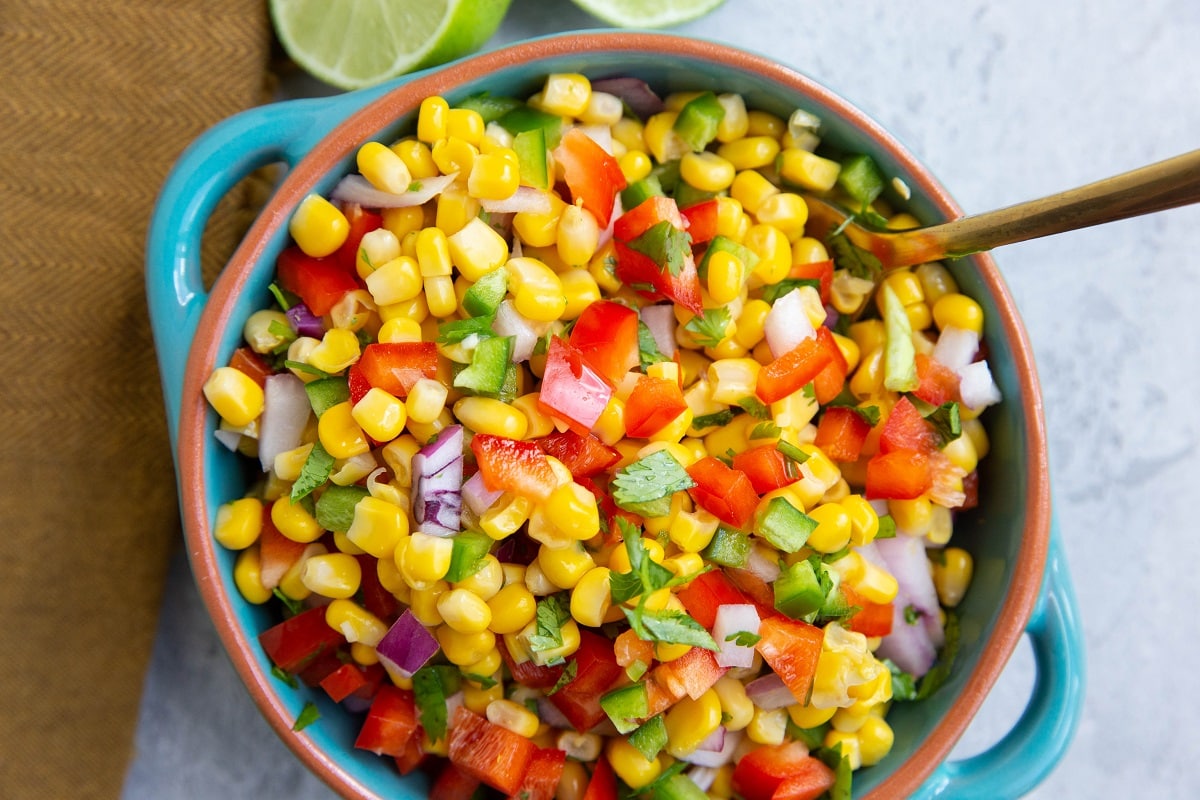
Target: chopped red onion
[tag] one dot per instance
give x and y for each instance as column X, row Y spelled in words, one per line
column 357, row 189
column 716, row 758
column 550, row 715
column 660, row 319
column 633, row 92
column 732, row 619
column 770, row 692
column 304, row 322
column 703, row 777
column 286, row 409
column 407, row 646
column 910, row 646
column 525, row 198
column 715, row 741
column 437, row 484
column 478, row 497
column 787, row 324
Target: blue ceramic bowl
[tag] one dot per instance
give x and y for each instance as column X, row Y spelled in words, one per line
column 1021, row 585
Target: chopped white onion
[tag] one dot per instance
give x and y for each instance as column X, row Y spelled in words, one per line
column 525, row 198
column 732, row 619
column 787, row 324
column 601, row 135
column 231, row 439
column 525, row 332
column 660, row 319
column 357, row 189
column 715, row 758
column 703, row 777
column 977, row 387
column 286, row 409
column 956, row 347
column 763, row 564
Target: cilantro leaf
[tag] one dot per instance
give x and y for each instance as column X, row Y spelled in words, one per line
column 744, row 638
column 764, row 430
column 484, row 681
column 455, row 331
column 431, row 686
column 717, row 419
column 624, row 586
column 754, row 407
column 294, row 607
column 708, row 328
column 774, row 291
column 283, row 675
column 568, row 674
column 848, row 256
column 946, row 421
column 645, row 486
column 843, row 775
column 670, row 627
column 645, row 576
column 316, row 470
column 648, row 352
column 904, row 685
column 667, row 245
column 887, row 527
column 308, row 715
column 552, row 615
column 939, row 673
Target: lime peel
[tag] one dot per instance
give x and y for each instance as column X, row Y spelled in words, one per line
column 648, row 13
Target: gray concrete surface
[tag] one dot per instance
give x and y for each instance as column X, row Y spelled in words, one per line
column 1004, row 101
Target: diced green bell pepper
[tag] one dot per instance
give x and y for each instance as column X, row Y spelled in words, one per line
column 466, row 557
column 626, row 706
column 486, row 373
column 784, row 525
column 698, row 120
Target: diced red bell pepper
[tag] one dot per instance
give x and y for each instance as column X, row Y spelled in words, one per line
column 603, row 783
column 645, row 215
column 756, row 590
column 376, row 599
column 593, row 176
column 251, row 363
column 906, row 429
column 629, row 648
column 724, row 492
column 652, row 281
column 871, row 619
column 511, row 465
column 414, row 756
column 811, row 780
column 396, row 366
column 361, row 222
column 701, row 219
column 357, row 383
column 596, row 670
column 606, row 333
column 583, row 455
column 821, row 271
column 796, row 368
column 319, row 282
column 484, row 750
column 762, row 771
column 391, row 722
column 298, row 640
column 841, row 433
column 766, row 468
column 572, row 390
column 706, row 593
column 453, row 783
column 692, row 674
column 353, row 679
column 938, row 383
column 527, row 673
column 318, row 669
column 791, row 647
column 652, row 405
column 276, row 553
column 829, row 382
column 542, row 777
column 898, row 475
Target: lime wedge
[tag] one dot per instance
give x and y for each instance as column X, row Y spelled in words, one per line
column 647, row 13
column 355, row 43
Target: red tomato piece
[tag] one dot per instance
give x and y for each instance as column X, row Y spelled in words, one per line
column 650, row 280
column 361, row 222
column 708, row 592
column 251, row 363
column 583, row 455
column 297, row 641
column 645, row 215
column 701, row 219
column 791, row 647
column 766, row 468
column 376, row 599
column 871, row 619
column 652, row 405
column 603, row 783
column 596, row 670
column 572, row 390
column 898, row 475
column 760, row 772
column 453, row 783
column 795, row 368
column 352, row 679
column 906, row 429
column 510, row 465
column 755, row 589
column 810, row 780
column 692, row 674
column 528, row 673
column 358, row 383
column 391, row 722
column 484, row 750
column 938, row 383
column 413, row 758
column 592, row 175
column 396, row 366
column 606, row 333
column 821, row 271
column 545, row 770
column 629, row 648
column 319, row 282
column 276, row 553
column 722, row 491
column 841, row 433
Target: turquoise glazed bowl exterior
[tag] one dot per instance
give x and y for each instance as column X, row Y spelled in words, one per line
column 1021, row 585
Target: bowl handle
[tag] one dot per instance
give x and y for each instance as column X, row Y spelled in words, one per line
column 204, row 173
column 1030, row 751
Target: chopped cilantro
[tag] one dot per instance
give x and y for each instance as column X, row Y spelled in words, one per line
column 744, row 638
column 415, row 186
column 911, row 615
column 645, row 486
column 667, row 245
column 284, row 332
column 283, row 675
column 774, row 291
column 764, row 430
column 939, row 673
column 843, row 774
column 644, row 577
column 431, row 686
column 552, row 614
column 335, row 507
column 293, row 606
column 316, row 470
column 754, row 407
column 648, row 352
column 904, row 685
column 708, row 329
column 887, row 527
column 848, row 256
column 308, row 715
column 715, row 420
column 568, row 674
column 946, row 421
column 671, row 627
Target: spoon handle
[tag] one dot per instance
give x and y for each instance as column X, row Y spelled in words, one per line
column 1157, row 187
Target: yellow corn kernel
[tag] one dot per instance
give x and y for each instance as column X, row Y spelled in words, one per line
column 876, row 583
column 733, row 379
column 424, row 559
column 867, row 380
column 630, row 765
column 683, row 564
column 539, row 228
column 378, row 527
column 961, row 452
column 433, row 253
column 750, row 188
column 485, row 667
column 570, row 639
column 750, row 152
column 363, row 654
column 318, row 226
column 808, row 250
column 403, row 221
column 912, row 517
column 773, row 251
column 958, row 311
column 398, row 454
column 833, row 528
column 354, row 622
column 936, row 280
column 416, row 309
column 689, row 722
column 486, row 581
column 466, row 124
column 513, row 607
column 538, row 423
column 234, row 395
column 732, row 221
column 395, row 281
column 505, row 516
column 734, row 122
column 635, row 165
column 339, row 433
column 952, row 575
column 732, row 436
column 344, row 545
column 464, row 611
column 674, row 430
column 454, row 156
column 426, row 400
column 786, row 211
column 514, row 717
column 591, row 597
column 875, row 740
column 566, row 94
column 336, row 575
column 737, row 708
column 580, row 289
column 905, row 284
column 462, row 649
column 864, row 522
column 417, row 156
column 432, row 118
column 337, row 350
column 764, row 123
column 456, row 206
column 238, row 523
column 849, row 743
column 423, row 602
column 973, row 429
column 380, row 414
column 726, row 277
column 259, row 330
column 495, row 417
column 294, row 521
column 808, row 170
column 574, row 511
column 768, row 727
column 750, row 322
column 707, row 171
column 439, row 294
column 662, row 141
column 493, row 177
column 577, row 235
column 628, row 131
column 868, row 334
column 564, row 566
column 692, row 531
column 383, row 168
column 807, row 717
column 247, row 577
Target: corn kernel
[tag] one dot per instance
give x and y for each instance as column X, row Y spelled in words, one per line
column 773, row 250
column 566, row 94
column 635, row 165
column 689, row 722
column 936, row 281
column 785, row 211
column 432, row 118
column 493, row 176
column 807, row 717
column 952, row 575
column 462, row 649
column 768, row 727
column 238, row 523
column 354, row 622
column 454, row 156
column 514, row 717
column 318, row 226
column 464, row 611
column 425, row 558
column 383, row 168
column 234, row 395
column 513, row 607
column 564, row 567
column 494, row 417
column 506, row 516
column 833, row 528
column 486, row 581
column 577, row 235
column 707, row 171
column 630, row 765
column 591, row 597
column 808, row 170
column 466, row 124
column 751, row 189
column 378, row 527
column 423, row 602
column 958, row 311
column 294, row 521
column 247, row 577
column 336, row 575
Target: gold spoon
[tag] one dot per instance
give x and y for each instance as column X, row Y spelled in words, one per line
column 1157, row 187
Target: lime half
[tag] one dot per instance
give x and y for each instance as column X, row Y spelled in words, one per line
column 355, row 43
column 647, row 13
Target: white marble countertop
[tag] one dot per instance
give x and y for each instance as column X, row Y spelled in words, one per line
column 1004, row 102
